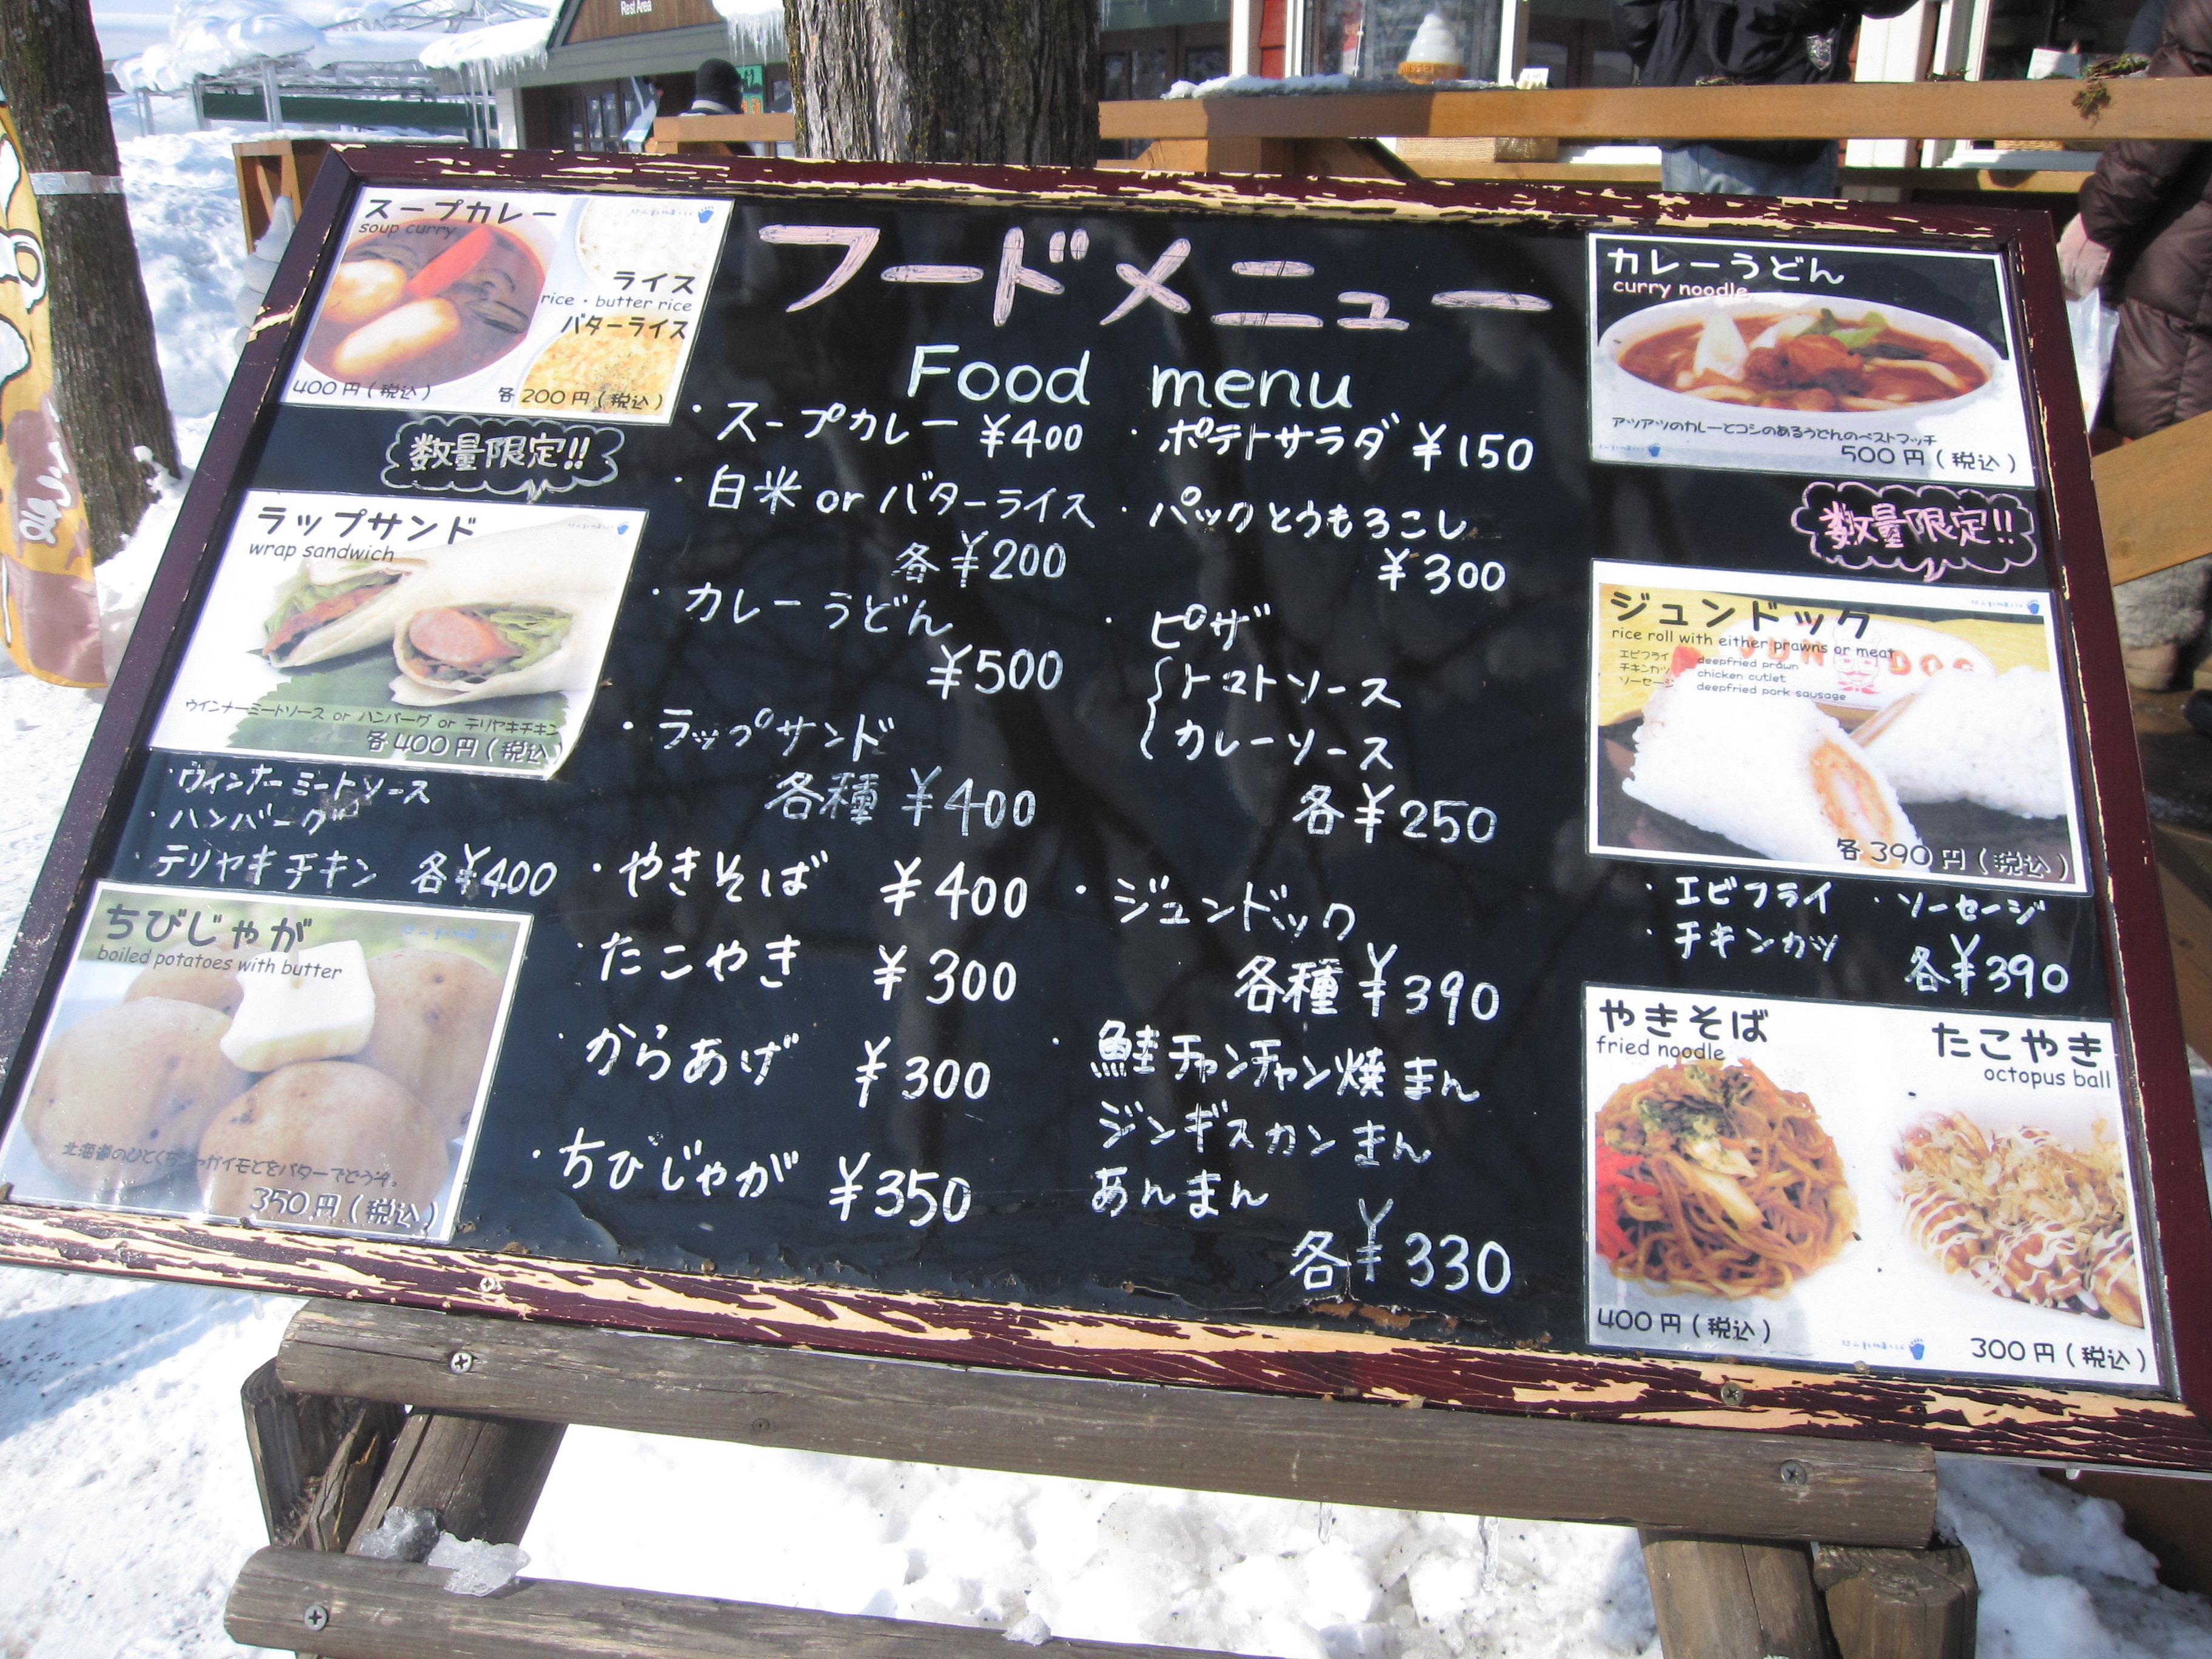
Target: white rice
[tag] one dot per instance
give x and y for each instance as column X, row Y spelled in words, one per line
column 1740, row 765
column 1998, row 741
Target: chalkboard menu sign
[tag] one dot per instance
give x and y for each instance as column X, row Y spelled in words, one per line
column 1520, row 800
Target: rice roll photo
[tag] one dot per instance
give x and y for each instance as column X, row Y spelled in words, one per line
column 330, row 608
column 1997, row 740
column 530, row 615
column 1775, row 774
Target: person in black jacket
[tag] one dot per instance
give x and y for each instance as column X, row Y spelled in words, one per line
column 1754, row 43
column 2144, row 236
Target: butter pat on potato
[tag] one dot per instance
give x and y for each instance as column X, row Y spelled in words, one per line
column 315, row 1003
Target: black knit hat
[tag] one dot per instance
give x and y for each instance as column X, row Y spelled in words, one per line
column 717, row 82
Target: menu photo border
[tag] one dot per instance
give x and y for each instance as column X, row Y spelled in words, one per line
column 1360, row 1357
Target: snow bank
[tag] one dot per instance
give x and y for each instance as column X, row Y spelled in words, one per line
column 1034, row 1556
column 216, row 37
column 182, row 191
column 126, row 1494
column 2059, row 1578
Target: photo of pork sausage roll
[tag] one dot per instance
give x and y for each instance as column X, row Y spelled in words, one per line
column 329, row 608
column 531, row 616
column 1773, row 773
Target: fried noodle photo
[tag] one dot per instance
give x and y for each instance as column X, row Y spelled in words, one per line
column 2023, row 1215
column 1712, row 1178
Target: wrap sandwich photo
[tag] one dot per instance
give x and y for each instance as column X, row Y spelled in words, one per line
column 331, row 608
column 532, row 615
column 310, row 646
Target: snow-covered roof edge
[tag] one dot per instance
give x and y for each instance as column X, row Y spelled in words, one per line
column 501, row 46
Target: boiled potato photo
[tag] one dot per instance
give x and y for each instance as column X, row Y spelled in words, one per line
column 209, row 978
column 316, row 1142
column 435, row 1014
column 123, row 1096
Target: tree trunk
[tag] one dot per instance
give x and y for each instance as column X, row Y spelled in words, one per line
column 107, row 381
column 992, row 80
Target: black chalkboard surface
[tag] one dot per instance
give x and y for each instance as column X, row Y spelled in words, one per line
column 1445, row 781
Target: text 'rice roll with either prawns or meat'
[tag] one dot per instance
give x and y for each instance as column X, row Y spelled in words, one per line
column 1772, row 773
column 526, row 612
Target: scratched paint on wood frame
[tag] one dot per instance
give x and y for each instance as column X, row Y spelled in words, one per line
column 867, row 741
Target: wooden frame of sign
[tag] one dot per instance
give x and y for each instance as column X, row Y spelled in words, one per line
column 1345, row 1343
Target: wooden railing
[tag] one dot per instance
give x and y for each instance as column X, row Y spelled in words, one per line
column 2166, row 108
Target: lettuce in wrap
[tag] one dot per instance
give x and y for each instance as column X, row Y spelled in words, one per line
column 329, row 609
column 530, row 614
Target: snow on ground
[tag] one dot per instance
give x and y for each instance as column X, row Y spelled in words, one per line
column 191, row 242
column 126, row 1500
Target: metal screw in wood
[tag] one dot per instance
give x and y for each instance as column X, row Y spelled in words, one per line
column 461, row 1361
column 316, row 1617
column 1794, row 1474
column 1731, row 1394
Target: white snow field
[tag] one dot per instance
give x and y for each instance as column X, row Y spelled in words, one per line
column 126, row 1502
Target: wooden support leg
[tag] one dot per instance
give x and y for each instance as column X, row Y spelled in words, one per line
column 482, row 1475
column 315, row 1457
column 1898, row 1604
column 1729, row 1598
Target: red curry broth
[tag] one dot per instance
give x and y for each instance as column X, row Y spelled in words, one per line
column 1810, row 370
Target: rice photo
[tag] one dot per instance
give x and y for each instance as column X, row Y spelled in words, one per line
column 1775, row 775
column 512, row 303
column 1814, row 723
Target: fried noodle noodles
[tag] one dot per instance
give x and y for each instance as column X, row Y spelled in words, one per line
column 1712, row 1178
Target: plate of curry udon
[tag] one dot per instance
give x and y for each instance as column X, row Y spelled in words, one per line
column 1812, row 354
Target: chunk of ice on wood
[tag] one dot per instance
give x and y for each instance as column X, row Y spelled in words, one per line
column 1030, row 1629
column 475, row 1568
column 401, row 1535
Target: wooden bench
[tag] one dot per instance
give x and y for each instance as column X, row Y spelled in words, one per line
column 1726, row 1518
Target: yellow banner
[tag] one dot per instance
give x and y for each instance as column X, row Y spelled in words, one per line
column 49, row 605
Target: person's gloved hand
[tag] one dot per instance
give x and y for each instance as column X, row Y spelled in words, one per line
column 2081, row 261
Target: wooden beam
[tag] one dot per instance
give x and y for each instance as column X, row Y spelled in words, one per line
column 483, row 1475
column 352, row 1609
column 2189, row 934
column 1728, row 1598
column 1898, row 1604
column 341, row 1499
column 1754, row 1486
column 2173, row 108
column 671, row 132
column 2151, row 496
column 290, row 1436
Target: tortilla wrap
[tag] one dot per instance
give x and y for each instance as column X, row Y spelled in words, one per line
column 569, row 575
column 366, row 624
